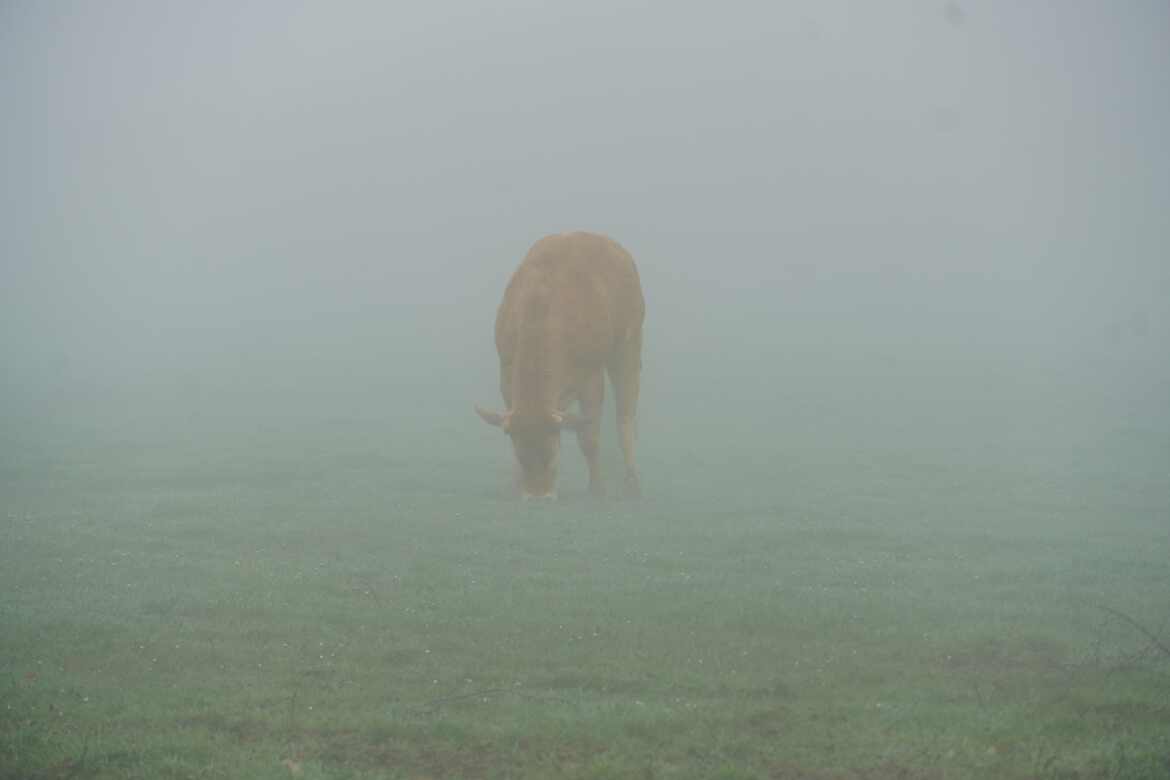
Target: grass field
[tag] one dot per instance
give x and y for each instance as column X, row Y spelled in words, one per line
column 358, row 599
column 904, row 416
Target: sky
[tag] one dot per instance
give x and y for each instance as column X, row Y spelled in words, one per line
column 319, row 204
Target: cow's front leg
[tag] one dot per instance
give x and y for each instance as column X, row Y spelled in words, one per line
column 592, row 397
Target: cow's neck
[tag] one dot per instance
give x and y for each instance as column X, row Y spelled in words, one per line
column 540, row 369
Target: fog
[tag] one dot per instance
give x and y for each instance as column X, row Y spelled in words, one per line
column 904, row 430
column 909, row 216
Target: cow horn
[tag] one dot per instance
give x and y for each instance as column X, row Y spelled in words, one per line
column 498, row 419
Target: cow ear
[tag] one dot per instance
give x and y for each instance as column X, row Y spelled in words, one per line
column 498, row 419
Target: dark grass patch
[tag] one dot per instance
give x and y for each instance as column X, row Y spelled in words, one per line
column 995, row 656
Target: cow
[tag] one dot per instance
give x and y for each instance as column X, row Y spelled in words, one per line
column 572, row 312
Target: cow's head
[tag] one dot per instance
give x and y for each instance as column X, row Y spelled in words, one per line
column 536, row 440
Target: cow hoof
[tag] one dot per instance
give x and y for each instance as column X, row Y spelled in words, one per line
column 632, row 487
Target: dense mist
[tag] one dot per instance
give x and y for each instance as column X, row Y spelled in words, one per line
column 904, row 433
column 223, row 211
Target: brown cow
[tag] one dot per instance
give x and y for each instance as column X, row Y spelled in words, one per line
column 572, row 311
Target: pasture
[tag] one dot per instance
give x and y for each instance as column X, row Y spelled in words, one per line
column 355, row 598
column 904, row 417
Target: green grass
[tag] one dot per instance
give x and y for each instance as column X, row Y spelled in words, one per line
column 344, row 600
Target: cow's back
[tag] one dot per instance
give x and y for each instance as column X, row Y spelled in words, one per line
column 583, row 284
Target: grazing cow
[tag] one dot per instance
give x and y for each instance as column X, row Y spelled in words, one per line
column 572, row 311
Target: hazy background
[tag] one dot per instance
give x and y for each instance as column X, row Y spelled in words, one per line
column 918, row 224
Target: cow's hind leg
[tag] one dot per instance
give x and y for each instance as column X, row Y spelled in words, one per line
column 625, row 372
column 592, row 397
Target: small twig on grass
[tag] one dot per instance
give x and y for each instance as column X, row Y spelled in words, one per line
column 459, row 697
column 80, row 762
column 1150, row 635
column 1098, row 657
column 292, row 707
column 486, row 692
column 978, row 695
